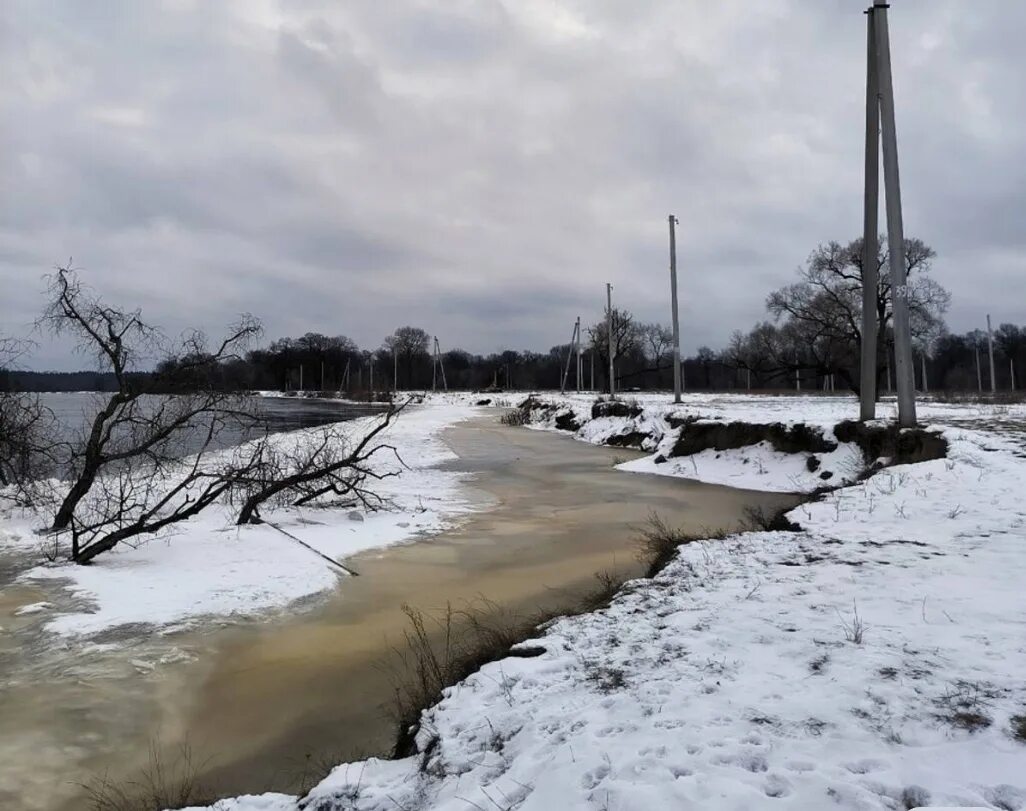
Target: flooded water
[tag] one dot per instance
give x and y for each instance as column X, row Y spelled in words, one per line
column 74, row 412
column 254, row 700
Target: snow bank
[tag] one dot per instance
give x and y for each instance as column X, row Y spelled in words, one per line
column 757, row 445
column 210, row 567
column 873, row 661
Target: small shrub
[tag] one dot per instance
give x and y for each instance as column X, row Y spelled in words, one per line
column 516, row 417
column 658, row 543
column 854, row 629
column 164, row 783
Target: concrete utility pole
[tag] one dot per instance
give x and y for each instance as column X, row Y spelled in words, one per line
column 575, row 338
column 979, row 374
column 301, row 373
column 673, row 307
column 903, row 362
column 580, row 358
column 609, row 337
column 870, row 224
column 990, row 350
column 1011, row 372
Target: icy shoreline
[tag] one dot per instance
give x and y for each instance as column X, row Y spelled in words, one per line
column 209, row 567
column 871, row 661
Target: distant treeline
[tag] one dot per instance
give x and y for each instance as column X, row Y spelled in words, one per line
column 316, row 362
column 57, row 381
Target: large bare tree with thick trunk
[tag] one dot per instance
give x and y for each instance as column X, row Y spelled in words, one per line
column 823, row 311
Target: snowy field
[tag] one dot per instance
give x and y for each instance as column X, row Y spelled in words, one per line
column 208, row 566
column 874, row 660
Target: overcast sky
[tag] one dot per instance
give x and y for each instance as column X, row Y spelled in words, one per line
column 482, row 168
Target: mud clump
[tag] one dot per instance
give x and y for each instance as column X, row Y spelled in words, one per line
column 615, row 408
column 799, row 438
column 902, row 446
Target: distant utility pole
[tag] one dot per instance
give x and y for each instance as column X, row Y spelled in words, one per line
column 609, row 337
column 903, row 361
column 372, row 375
column 575, row 338
column 926, row 388
column 990, row 349
column 979, row 374
column 591, row 357
column 870, row 224
column 395, row 370
column 436, row 367
column 301, row 368
column 580, row 358
column 673, row 307
column 1011, row 371
column 322, row 375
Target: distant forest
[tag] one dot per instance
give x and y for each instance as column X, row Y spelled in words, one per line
column 316, row 362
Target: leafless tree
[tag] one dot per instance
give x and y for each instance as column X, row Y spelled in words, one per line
column 823, row 311
column 282, row 471
column 626, row 337
column 28, row 448
column 131, row 432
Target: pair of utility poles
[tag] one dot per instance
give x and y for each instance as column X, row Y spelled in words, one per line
column 880, row 126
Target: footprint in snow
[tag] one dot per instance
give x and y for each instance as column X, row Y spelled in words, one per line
column 747, row 761
column 590, row 779
column 777, row 786
column 865, row 766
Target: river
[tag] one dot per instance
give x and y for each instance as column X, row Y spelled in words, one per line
column 256, row 700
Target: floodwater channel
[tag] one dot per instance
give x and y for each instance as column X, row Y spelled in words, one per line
column 258, row 701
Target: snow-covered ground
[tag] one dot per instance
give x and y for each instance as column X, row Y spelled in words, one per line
column 208, row 566
column 873, row 660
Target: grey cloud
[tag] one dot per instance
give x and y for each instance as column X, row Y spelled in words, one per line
column 483, row 168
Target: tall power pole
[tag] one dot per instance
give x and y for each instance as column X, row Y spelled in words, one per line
column 870, row 224
column 990, row 350
column 673, row 307
column 609, row 337
column 903, row 361
column 575, row 339
column 580, row 358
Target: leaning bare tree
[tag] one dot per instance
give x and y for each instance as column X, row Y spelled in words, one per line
column 327, row 465
column 125, row 472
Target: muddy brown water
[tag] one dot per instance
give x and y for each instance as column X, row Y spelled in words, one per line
column 259, row 703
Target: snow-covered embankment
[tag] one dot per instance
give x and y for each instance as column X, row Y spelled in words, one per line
column 872, row 660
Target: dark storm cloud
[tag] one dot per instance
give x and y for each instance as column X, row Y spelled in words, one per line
column 482, row 168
